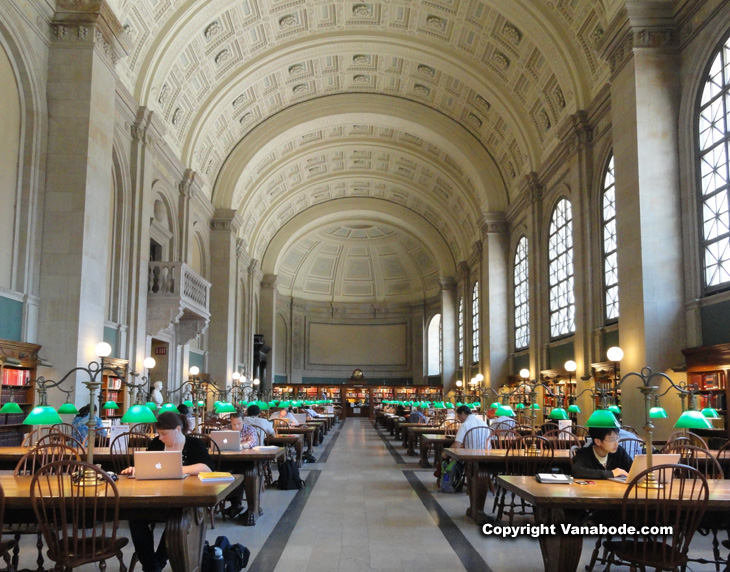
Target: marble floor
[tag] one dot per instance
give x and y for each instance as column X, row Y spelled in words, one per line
column 368, row 506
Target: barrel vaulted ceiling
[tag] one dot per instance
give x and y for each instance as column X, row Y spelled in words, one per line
column 435, row 108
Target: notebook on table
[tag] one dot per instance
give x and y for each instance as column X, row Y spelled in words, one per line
column 639, row 465
column 227, row 440
column 158, row 465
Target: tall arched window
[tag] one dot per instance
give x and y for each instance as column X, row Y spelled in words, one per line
column 560, row 270
column 713, row 143
column 461, row 332
column 434, row 345
column 610, row 259
column 522, row 296
column 475, row 323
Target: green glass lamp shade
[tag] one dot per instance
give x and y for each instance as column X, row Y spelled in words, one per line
column 263, row 405
column 226, row 408
column 12, row 407
column 559, row 413
column 520, row 406
column 201, row 403
column 43, row 415
column 573, row 408
column 504, row 411
column 216, row 404
column 477, row 404
column 535, row 406
column 139, row 414
column 657, row 413
column 188, row 403
column 603, row 418
column 169, row 407
column 708, row 412
column 439, row 405
column 614, row 409
column 110, row 405
column 692, row 420
column 494, row 405
column 151, row 405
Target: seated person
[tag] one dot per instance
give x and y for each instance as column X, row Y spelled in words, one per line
column 252, row 419
column 81, row 423
column 311, row 413
column 249, row 437
column 171, row 428
column 417, row 416
column 604, row 458
column 504, row 421
column 286, row 415
column 464, row 415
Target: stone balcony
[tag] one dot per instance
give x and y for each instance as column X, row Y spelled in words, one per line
column 178, row 301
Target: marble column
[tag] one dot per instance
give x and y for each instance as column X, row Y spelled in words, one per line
column 448, row 331
column 85, row 43
column 267, row 325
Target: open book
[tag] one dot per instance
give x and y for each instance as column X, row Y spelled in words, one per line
column 215, row 477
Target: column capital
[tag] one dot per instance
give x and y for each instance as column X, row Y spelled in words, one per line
column 147, row 128
column 185, row 186
column 225, row 219
column 576, row 131
column 640, row 24
column 447, row 283
column 92, row 23
column 533, row 187
column 269, row 281
column 493, row 223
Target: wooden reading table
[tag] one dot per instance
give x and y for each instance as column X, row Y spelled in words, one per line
column 437, row 442
column 181, row 504
column 415, row 433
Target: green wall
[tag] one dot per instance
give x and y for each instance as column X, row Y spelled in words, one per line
column 11, row 319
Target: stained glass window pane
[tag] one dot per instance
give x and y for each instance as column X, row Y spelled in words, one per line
column 610, row 264
column 461, row 332
column 713, row 138
column 560, row 271
column 522, row 296
column 475, row 323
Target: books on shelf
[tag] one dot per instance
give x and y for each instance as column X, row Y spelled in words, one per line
column 15, row 376
column 215, row 477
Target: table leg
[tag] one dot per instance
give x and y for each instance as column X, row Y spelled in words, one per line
column 298, row 448
column 185, row 537
column 309, row 442
column 560, row 553
column 405, row 437
column 425, row 447
column 477, row 485
column 252, row 473
column 411, row 444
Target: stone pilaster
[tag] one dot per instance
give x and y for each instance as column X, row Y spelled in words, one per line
column 448, row 330
column 86, row 41
column 267, row 324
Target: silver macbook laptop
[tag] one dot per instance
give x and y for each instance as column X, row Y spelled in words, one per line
column 639, row 465
column 158, row 465
column 301, row 417
column 227, row 440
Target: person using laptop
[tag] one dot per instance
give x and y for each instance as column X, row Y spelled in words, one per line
column 249, row 437
column 252, row 418
column 604, row 459
column 286, row 415
column 171, row 431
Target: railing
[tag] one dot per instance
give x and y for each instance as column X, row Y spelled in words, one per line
column 178, row 280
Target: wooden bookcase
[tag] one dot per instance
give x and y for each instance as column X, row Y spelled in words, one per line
column 113, row 390
column 18, row 385
column 708, row 368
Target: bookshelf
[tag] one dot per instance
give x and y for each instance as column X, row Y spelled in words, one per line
column 708, row 368
column 18, row 362
column 113, row 390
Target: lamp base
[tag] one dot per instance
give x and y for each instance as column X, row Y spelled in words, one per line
column 650, row 482
column 86, row 478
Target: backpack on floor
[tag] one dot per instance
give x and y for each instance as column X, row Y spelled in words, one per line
column 309, row 458
column 235, row 556
column 452, row 477
column 288, row 476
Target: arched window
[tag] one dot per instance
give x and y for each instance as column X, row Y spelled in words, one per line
column 461, row 332
column 610, row 262
column 522, row 296
column 434, row 345
column 714, row 139
column 560, row 270
column 475, row 323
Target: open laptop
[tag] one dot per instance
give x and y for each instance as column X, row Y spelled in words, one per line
column 158, row 465
column 301, row 417
column 227, row 440
column 639, row 465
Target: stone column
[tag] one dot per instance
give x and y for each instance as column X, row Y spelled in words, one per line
column 538, row 277
column 645, row 91
column 448, row 330
column 494, row 300
column 267, row 325
column 221, row 332
column 85, row 43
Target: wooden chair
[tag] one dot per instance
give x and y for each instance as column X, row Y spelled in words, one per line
column 268, row 477
column 5, row 545
column 580, row 432
column 679, row 505
column 633, row 446
column 215, row 453
column 630, row 429
column 55, row 438
column 502, row 426
column 562, row 439
column 525, row 456
column 28, row 464
column 123, row 446
column 723, row 457
column 548, row 426
column 451, row 427
column 501, row 439
column 79, row 523
column 697, row 458
column 146, row 428
column 477, row 438
column 31, row 438
column 694, row 440
column 65, row 428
